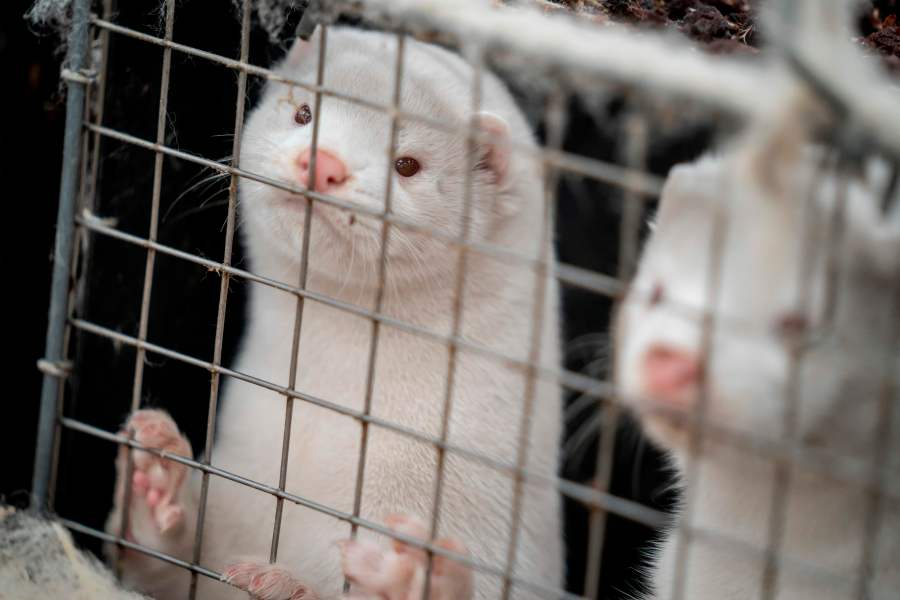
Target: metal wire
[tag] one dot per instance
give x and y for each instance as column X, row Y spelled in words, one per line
column 632, row 212
column 698, row 420
column 556, row 123
column 298, row 316
column 380, row 286
column 77, row 58
column 120, row 541
column 477, row 62
column 223, row 296
column 137, row 389
column 884, row 432
column 796, row 353
column 95, row 102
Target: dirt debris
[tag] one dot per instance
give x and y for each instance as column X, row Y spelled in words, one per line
column 729, row 26
column 881, row 31
column 706, row 23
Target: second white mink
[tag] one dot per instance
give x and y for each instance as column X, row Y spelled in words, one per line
column 804, row 345
column 488, row 396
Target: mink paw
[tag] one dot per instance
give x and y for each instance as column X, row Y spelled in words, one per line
column 396, row 571
column 264, row 581
column 156, row 482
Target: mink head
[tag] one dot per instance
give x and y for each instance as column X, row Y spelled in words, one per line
column 428, row 175
column 798, row 312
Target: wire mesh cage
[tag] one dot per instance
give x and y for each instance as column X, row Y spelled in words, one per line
column 144, row 314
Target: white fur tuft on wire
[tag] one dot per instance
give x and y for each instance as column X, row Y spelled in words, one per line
column 53, row 14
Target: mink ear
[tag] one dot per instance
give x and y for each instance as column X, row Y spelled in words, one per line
column 675, row 192
column 302, row 50
column 494, row 148
column 690, row 188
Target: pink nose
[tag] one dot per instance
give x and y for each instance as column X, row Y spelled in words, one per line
column 670, row 374
column 330, row 170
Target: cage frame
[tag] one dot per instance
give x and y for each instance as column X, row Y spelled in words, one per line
column 80, row 78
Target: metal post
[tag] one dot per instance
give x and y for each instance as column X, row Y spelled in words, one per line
column 76, row 60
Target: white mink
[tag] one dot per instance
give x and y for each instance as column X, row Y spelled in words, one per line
column 410, row 372
column 776, row 208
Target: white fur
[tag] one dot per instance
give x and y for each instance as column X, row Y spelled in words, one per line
column 760, row 192
column 410, row 371
column 38, row 559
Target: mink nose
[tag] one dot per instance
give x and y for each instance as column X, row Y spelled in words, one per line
column 330, row 170
column 671, row 374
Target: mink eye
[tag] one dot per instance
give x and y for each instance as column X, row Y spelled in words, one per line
column 791, row 325
column 303, row 115
column 406, row 166
column 656, row 295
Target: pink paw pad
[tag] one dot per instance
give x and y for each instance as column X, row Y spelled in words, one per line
column 156, row 481
column 266, row 582
column 396, row 571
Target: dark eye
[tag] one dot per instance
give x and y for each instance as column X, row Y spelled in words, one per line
column 657, row 295
column 406, row 166
column 791, row 325
column 303, row 115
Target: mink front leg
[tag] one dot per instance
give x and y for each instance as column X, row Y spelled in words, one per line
column 162, row 507
column 396, row 571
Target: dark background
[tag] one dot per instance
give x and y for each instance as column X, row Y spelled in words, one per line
column 30, row 155
column 185, row 296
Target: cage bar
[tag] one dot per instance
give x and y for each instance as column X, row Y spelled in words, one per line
column 698, row 419
column 225, row 279
column 629, row 229
column 298, row 317
column 880, row 469
column 556, row 123
column 137, row 390
column 797, row 351
column 77, row 59
column 379, row 291
column 476, row 60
